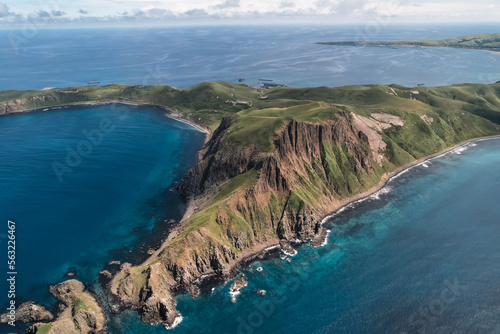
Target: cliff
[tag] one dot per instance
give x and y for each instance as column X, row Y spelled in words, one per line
column 269, row 176
column 275, row 166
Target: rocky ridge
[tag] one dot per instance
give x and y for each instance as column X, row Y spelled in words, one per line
column 281, row 195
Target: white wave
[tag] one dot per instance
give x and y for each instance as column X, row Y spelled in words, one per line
column 385, row 190
column 400, row 173
column 460, row 149
column 271, row 247
column 234, row 295
column 293, row 253
column 325, row 242
column 176, row 323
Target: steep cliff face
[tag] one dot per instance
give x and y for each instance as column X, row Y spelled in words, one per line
column 249, row 200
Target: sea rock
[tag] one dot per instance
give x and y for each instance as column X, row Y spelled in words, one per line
column 239, row 283
column 81, row 314
column 29, row 312
column 287, row 249
column 320, row 238
column 106, row 275
column 261, row 293
column 193, row 290
column 156, row 311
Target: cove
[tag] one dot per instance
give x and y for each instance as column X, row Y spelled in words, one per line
column 86, row 185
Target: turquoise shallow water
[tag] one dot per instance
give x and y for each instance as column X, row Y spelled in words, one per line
column 420, row 258
column 110, row 197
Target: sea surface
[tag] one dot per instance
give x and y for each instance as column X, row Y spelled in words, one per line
column 421, row 257
column 185, row 56
column 87, row 185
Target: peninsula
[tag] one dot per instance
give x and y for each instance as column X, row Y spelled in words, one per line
column 274, row 165
column 488, row 42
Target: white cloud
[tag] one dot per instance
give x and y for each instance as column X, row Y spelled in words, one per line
column 4, row 10
column 341, row 10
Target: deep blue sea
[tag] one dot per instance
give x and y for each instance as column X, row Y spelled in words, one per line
column 88, row 185
column 185, row 56
column 421, row 258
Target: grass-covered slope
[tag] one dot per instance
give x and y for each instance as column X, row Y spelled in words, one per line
column 489, row 42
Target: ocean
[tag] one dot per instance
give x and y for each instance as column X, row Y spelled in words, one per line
column 419, row 258
column 185, row 56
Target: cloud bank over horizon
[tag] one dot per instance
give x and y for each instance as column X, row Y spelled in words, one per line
column 244, row 11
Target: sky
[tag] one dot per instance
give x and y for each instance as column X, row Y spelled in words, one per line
column 88, row 12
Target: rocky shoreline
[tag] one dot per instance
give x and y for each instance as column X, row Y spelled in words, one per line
column 245, row 203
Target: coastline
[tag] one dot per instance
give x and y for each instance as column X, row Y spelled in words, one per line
column 170, row 114
column 386, row 178
column 261, row 250
column 406, row 46
column 249, row 256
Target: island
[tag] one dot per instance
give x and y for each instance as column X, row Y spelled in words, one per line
column 275, row 163
column 488, row 42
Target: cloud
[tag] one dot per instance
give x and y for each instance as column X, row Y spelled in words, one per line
column 43, row 14
column 4, row 10
column 287, row 4
column 228, row 4
column 349, row 7
column 57, row 13
column 198, row 12
column 241, row 10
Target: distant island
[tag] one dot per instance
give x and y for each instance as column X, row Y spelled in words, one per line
column 487, row 42
column 275, row 163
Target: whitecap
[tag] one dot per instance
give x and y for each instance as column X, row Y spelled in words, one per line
column 176, row 323
column 460, row 149
column 293, row 253
column 325, row 242
column 234, row 295
column 385, row 190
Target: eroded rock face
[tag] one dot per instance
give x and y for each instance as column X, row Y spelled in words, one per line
column 328, row 157
column 80, row 313
column 29, row 312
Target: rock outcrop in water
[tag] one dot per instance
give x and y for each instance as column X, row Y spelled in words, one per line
column 79, row 311
column 29, row 312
